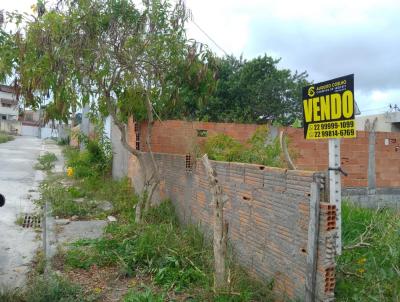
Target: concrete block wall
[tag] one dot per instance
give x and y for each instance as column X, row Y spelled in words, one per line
column 120, row 154
column 267, row 212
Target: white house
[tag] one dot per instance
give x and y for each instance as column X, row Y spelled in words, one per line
column 385, row 122
column 9, row 109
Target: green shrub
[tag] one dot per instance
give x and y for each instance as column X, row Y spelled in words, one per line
column 372, row 272
column 63, row 141
column 224, row 148
column 94, row 161
column 46, row 161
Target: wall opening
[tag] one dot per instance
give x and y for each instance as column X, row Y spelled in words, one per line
column 188, row 163
column 137, row 131
column 202, row 133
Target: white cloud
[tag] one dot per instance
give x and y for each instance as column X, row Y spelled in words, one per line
column 326, row 38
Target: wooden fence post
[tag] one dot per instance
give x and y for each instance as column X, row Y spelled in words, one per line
column 312, row 243
column 220, row 226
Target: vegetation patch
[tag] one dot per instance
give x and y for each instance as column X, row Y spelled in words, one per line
column 156, row 260
column 4, row 137
column 85, row 198
column 369, row 267
column 53, row 288
column 179, row 260
column 222, row 147
column 46, row 161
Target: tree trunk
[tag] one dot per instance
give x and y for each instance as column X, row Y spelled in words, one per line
column 220, row 226
column 150, row 183
column 155, row 177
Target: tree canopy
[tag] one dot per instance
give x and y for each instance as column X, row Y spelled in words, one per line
column 250, row 91
column 115, row 54
column 111, row 51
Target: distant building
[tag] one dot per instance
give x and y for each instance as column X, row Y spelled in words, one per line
column 32, row 117
column 385, row 122
column 9, row 109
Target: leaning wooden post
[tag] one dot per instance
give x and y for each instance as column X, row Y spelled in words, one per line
column 220, row 226
column 312, row 242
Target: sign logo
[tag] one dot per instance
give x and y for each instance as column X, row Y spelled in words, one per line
column 328, row 109
column 311, row 91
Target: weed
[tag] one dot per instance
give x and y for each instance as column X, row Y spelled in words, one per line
column 146, row 296
column 20, row 219
column 46, row 161
column 52, row 288
column 372, row 272
column 94, row 161
column 63, row 141
column 11, row 295
column 5, row 137
column 177, row 258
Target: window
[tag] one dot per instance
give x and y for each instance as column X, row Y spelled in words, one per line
column 4, row 117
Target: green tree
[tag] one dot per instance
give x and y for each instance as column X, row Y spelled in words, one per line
column 254, row 91
column 125, row 59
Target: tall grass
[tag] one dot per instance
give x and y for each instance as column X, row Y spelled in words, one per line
column 50, row 289
column 178, row 259
column 4, row 137
column 46, row 161
column 369, row 268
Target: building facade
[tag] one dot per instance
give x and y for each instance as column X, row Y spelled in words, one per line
column 384, row 122
column 9, row 109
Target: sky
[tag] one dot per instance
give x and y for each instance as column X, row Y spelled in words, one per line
column 327, row 39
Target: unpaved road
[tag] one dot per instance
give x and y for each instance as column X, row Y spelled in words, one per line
column 18, row 183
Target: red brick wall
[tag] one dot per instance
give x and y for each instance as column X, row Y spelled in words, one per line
column 387, row 160
column 313, row 155
column 179, row 137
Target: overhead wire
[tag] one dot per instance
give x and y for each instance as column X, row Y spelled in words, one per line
column 207, row 35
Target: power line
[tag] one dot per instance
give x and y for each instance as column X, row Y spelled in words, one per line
column 208, row 36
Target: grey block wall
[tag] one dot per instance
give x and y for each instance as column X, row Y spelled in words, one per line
column 120, row 154
column 268, row 214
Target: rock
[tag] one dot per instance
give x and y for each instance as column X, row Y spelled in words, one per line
column 58, row 273
column 73, row 218
column 111, row 219
column 62, row 221
column 79, row 200
column 88, row 229
column 105, row 206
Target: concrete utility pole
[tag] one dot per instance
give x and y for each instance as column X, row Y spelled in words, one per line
column 335, row 188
